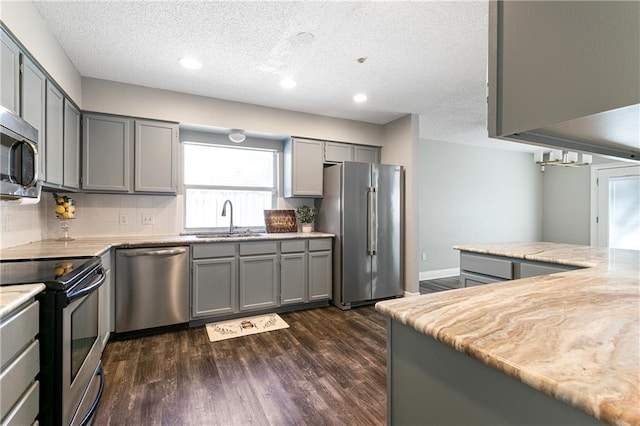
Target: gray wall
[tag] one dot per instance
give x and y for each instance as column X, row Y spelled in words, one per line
column 566, row 204
column 471, row 194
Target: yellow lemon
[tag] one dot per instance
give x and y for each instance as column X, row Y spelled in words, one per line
column 72, row 208
column 59, row 271
column 59, row 209
column 71, row 215
column 60, row 200
column 65, row 204
column 66, row 215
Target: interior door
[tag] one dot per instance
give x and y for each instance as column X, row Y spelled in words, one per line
column 386, row 260
column 356, row 265
column 618, row 204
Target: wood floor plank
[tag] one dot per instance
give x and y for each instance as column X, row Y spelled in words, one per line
column 327, row 368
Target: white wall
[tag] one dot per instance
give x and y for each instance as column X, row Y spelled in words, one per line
column 473, row 194
column 401, row 147
column 25, row 22
column 138, row 101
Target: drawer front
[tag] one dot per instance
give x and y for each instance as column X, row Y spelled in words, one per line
column 26, row 410
column 487, row 265
column 18, row 376
column 320, row 244
column 203, row 251
column 529, row 270
column 292, row 246
column 18, row 331
column 249, row 249
column 472, row 280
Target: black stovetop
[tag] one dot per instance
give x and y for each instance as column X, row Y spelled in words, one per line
column 56, row 274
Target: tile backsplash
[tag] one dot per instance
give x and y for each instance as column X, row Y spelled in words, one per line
column 99, row 215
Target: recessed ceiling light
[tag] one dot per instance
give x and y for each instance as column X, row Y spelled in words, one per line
column 190, row 63
column 360, row 97
column 288, row 83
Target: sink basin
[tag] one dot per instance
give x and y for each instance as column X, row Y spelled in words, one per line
column 231, row 235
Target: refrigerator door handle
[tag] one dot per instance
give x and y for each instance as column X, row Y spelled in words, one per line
column 374, row 228
column 371, row 219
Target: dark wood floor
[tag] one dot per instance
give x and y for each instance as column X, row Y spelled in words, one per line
column 327, row 368
column 439, row 284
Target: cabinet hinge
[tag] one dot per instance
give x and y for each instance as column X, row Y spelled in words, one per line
column 597, row 219
column 21, row 69
column 597, row 181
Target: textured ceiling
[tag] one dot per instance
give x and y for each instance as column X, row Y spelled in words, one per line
column 424, row 57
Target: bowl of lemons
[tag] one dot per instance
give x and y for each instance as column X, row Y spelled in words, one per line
column 65, row 207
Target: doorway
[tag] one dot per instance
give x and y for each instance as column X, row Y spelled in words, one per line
column 616, row 206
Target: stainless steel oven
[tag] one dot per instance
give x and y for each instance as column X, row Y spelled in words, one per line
column 18, row 159
column 71, row 376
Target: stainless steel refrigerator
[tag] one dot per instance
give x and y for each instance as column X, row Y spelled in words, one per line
column 362, row 206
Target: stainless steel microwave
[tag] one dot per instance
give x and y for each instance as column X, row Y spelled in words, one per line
column 18, row 159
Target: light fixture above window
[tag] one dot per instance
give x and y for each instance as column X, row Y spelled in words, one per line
column 557, row 157
column 237, row 136
column 190, row 63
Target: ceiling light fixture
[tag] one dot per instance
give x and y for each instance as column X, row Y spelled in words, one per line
column 190, row 63
column 237, row 136
column 360, row 97
column 562, row 158
column 288, row 83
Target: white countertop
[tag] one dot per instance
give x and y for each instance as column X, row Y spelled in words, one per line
column 14, row 296
column 86, row 247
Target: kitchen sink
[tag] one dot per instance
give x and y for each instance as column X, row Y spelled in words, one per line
column 232, row 235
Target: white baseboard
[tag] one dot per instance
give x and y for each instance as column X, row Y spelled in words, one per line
column 440, row 273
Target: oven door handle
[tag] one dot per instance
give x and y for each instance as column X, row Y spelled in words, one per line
column 85, row 289
column 94, row 405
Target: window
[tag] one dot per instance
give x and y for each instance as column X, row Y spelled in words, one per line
column 213, row 174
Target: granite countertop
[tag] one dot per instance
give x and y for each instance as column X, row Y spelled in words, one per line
column 85, row 247
column 14, row 296
column 573, row 335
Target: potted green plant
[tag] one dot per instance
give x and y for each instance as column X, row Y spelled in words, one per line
column 306, row 215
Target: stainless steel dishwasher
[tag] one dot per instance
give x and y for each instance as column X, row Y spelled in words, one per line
column 152, row 287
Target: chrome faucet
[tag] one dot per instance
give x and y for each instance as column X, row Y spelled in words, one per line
column 224, row 213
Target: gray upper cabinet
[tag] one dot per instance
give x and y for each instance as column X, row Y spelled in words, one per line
column 107, row 150
column 303, row 168
column 10, row 73
column 336, row 152
column 55, row 135
column 366, row 154
column 565, row 74
column 71, row 175
column 34, row 89
column 156, row 149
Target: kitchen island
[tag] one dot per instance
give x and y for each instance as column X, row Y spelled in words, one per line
column 561, row 348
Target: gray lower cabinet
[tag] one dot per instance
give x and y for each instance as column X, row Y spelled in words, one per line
column 34, row 90
column 20, row 365
column 293, row 278
column 9, row 73
column 258, row 282
column 71, row 157
column 478, row 269
column 320, row 275
column 55, row 135
column 214, row 283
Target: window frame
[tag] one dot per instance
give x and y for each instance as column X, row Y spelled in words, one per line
column 274, row 188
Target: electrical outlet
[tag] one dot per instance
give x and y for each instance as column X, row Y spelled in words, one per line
column 424, row 256
column 124, row 219
column 147, row 219
column 7, row 223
